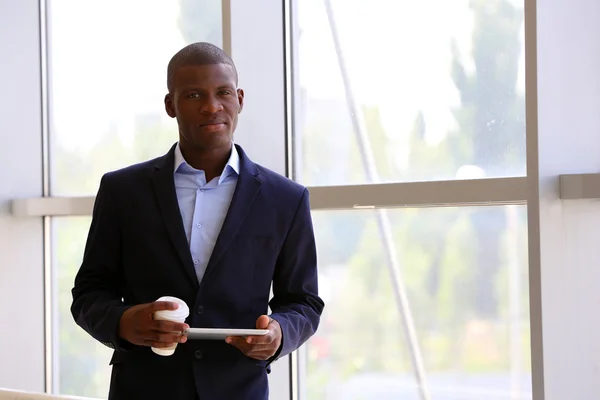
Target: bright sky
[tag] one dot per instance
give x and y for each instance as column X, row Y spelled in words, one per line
column 109, row 63
column 109, row 60
column 397, row 53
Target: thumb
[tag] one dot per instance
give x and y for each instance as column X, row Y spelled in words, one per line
column 262, row 322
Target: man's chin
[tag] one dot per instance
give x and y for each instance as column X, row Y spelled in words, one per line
column 213, row 144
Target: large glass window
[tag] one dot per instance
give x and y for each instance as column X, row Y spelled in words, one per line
column 429, row 90
column 464, row 299
column 81, row 361
column 428, row 303
column 418, row 300
column 107, row 62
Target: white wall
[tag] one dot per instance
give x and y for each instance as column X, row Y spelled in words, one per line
column 569, row 142
column 21, row 270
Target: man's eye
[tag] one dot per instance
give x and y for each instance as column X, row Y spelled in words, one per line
column 225, row 92
column 193, row 95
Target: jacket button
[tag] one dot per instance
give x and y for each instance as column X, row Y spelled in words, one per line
column 198, row 354
column 200, row 310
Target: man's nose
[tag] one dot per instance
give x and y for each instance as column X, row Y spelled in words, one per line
column 211, row 106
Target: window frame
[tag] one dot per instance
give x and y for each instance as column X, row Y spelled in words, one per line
column 461, row 193
column 492, row 191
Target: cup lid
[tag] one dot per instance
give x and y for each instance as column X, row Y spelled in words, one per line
column 182, row 312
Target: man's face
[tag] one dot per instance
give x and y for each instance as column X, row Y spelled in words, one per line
column 206, row 102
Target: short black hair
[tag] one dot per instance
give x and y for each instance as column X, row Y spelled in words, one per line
column 199, row 53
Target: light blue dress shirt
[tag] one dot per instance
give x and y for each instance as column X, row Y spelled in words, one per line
column 204, row 205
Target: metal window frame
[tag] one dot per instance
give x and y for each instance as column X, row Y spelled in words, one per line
column 50, row 376
column 533, row 201
column 460, row 193
column 479, row 192
column 519, row 190
column 226, row 25
column 431, row 194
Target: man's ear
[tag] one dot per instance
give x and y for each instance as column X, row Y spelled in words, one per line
column 240, row 93
column 170, row 106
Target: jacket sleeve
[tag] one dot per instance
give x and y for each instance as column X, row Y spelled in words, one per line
column 97, row 294
column 296, row 304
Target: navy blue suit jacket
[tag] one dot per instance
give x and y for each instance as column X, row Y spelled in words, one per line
column 137, row 251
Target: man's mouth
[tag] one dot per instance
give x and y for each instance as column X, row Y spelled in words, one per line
column 213, row 126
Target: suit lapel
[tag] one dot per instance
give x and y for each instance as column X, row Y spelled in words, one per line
column 164, row 189
column 247, row 188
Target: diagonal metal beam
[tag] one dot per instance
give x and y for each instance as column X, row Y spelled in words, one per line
column 383, row 220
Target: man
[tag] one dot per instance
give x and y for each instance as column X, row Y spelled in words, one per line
column 207, row 225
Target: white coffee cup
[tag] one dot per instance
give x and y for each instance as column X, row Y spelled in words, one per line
column 178, row 315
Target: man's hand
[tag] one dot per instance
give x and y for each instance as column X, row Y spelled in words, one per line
column 260, row 347
column 138, row 326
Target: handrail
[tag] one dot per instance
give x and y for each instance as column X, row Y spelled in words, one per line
column 10, row 394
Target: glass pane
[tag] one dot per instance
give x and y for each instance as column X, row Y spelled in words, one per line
column 437, row 88
column 464, row 273
column 107, row 87
column 108, row 61
column 81, row 361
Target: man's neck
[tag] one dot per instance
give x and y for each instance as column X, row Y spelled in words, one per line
column 212, row 162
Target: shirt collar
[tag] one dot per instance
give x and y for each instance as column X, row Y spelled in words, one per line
column 232, row 166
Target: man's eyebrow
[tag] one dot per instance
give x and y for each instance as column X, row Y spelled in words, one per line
column 220, row 86
column 194, row 89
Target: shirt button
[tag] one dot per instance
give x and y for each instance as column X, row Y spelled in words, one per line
column 198, row 225
column 198, row 354
column 200, row 310
column 196, row 262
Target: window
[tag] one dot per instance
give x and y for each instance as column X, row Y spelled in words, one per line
column 456, row 277
column 108, row 85
column 417, row 179
column 436, row 298
column 428, row 302
column 106, row 111
column 422, row 90
column 81, row 360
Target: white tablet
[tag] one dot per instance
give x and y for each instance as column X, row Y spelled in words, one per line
column 222, row 334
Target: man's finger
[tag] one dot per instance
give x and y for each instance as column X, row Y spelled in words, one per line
column 162, row 337
column 163, row 305
column 261, row 339
column 267, row 338
column 252, row 349
column 258, row 348
column 263, row 322
column 238, row 342
column 169, row 326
